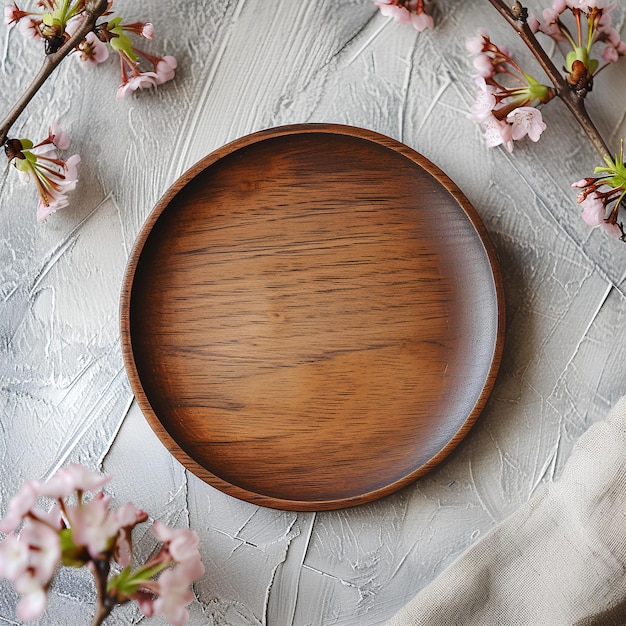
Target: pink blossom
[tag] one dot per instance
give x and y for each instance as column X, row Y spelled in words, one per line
column 399, row 14
column 85, row 479
column 582, row 183
column 172, row 587
column 93, row 526
column 587, row 5
column 601, row 208
column 12, row 14
column 92, row 50
column 174, row 593
column 498, row 132
column 173, row 598
column 611, row 36
column 484, row 64
column 181, row 543
column 74, row 24
column 611, row 229
column 610, row 54
column 127, row 517
column 550, row 25
column 19, row 506
column 95, row 532
column 58, row 136
column 143, row 29
column 54, row 176
column 615, row 47
column 422, row 21
column 526, row 121
column 44, row 550
column 29, row 27
column 13, row 557
column 51, row 518
column 147, row 31
column 594, row 210
column 170, row 594
column 141, row 80
column 145, row 600
column 476, row 45
column 483, row 106
column 165, row 69
column 33, row 602
column 59, row 183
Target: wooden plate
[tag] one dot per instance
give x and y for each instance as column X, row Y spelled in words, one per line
column 312, row 317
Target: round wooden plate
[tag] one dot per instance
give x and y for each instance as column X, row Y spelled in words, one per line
column 312, row 317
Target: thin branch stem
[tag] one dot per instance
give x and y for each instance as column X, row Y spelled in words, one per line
column 574, row 101
column 100, row 570
column 93, row 10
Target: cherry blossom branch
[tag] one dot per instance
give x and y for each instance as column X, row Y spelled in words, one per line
column 574, row 100
column 104, row 607
column 89, row 533
column 93, row 10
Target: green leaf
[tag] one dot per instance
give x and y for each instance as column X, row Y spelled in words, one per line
column 615, row 171
column 48, row 19
column 127, row 584
column 569, row 59
column 593, row 65
column 123, row 43
column 118, row 581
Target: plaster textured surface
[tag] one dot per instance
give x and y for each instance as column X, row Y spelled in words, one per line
column 245, row 65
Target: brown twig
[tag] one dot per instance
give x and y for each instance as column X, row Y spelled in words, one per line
column 573, row 100
column 100, row 570
column 93, row 10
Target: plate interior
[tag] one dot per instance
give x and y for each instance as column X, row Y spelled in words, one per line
column 311, row 318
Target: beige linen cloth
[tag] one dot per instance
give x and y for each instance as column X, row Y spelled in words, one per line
column 559, row 560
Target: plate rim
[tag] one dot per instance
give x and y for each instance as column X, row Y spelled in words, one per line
column 127, row 341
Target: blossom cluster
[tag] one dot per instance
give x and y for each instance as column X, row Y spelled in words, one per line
column 58, row 20
column 55, row 22
column 592, row 20
column 507, row 96
column 407, row 12
column 600, row 196
column 89, row 532
column 53, row 175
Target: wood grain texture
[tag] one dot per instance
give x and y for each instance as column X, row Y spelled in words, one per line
column 312, row 317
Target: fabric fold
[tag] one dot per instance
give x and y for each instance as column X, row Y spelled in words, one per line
column 559, row 560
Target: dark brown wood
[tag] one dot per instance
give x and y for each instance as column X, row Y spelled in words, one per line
column 312, row 317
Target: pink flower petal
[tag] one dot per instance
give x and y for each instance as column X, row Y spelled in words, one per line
column 498, row 132
column 148, row 31
column 593, row 210
column 13, row 557
column 20, row 505
column 422, row 21
column 526, row 121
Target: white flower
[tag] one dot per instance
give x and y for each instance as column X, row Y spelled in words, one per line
column 526, row 121
column 498, row 132
column 92, row 50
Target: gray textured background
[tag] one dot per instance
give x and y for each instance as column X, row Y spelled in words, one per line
column 246, row 65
